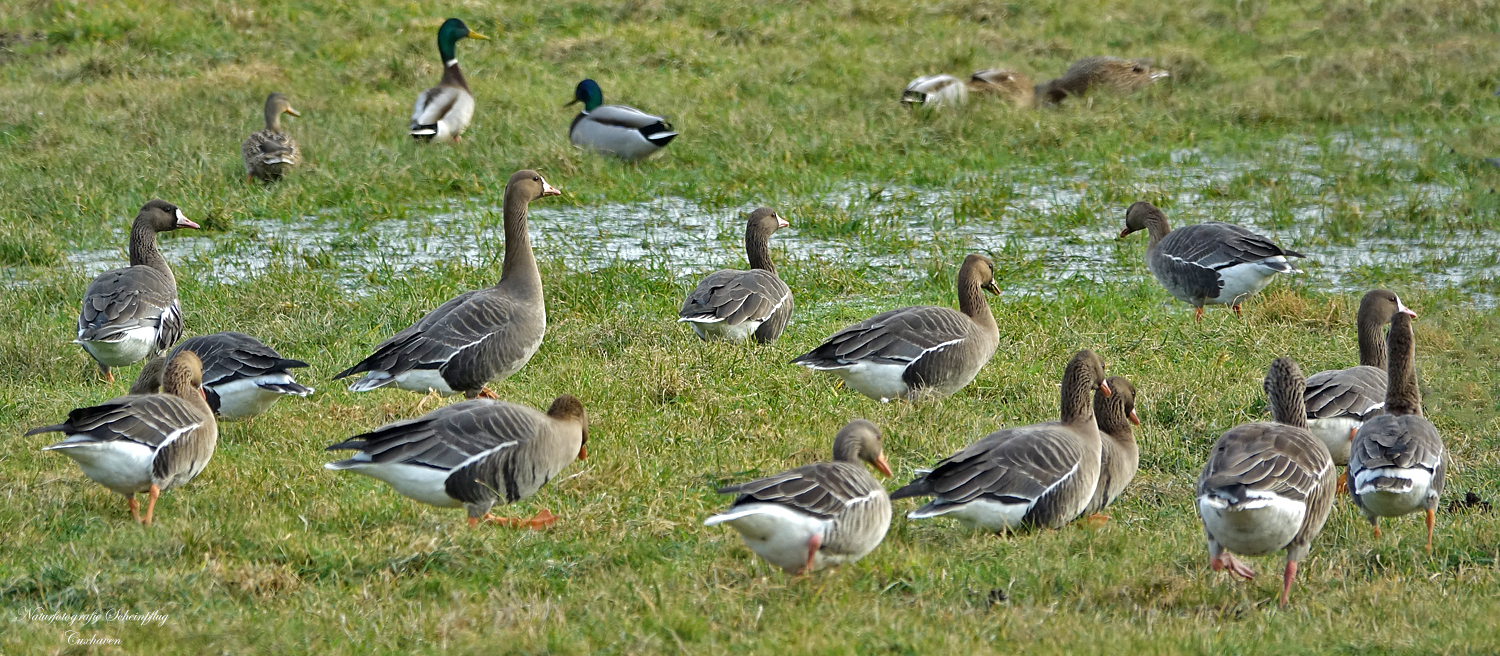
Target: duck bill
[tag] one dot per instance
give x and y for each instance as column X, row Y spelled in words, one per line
column 572, row 102
column 476, row 35
column 549, row 190
column 1104, row 387
column 293, row 112
column 183, row 221
column 1134, row 419
column 883, row 465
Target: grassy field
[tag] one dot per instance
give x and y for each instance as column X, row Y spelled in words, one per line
column 1332, row 125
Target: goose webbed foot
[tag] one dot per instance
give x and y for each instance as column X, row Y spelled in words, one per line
column 1227, row 561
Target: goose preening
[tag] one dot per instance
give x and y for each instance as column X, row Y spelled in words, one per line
column 625, row 132
column 1267, row 486
column 477, row 337
column 819, row 515
column 270, row 152
column 144, row 443
column 1397, row 460
column 442, row 113
column 131, row 313
column 736, row 305
column 1122, row 76
column 1341, row 400
column 917, row 351
column 473, row 455
column 1209, row 263
column 1120, row 456
column 935, row 92
column 1042, row 475
column 242, row 376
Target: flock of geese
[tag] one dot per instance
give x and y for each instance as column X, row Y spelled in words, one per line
column 1266, row 486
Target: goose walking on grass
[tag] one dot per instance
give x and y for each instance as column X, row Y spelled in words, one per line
column 1120, row 456
column 144, row 443
column 1121, row 76
column 737, row 305
column 1267, row 486
column 270, row 152
column 919, row 351
column 132, row 313
column 1042, row 475
column 477, row 337
column 473, row 455
column 625, row 132
column 1397, row 460
column 242, row 376
column 1340, row 401
column 1209, row 263
column 820, row 515
column 442, row 113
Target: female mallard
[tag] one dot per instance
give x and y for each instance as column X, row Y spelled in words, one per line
column 625, row 132
column 443, row 112
column 269, row 153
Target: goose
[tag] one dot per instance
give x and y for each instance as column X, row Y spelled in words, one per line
column 1397, row 460
column 1042, row 475
column 917, row 351
column 442, row 113
column 1339, row 401
column 131, row 313
column 144, row 443
column 1120, row 456
column 477, row 337
column 1011, row 85
column 1122, row 76
column 1267, row 486
column 242, row 376
column 625, row 132
column 737, row 305
column 269, row 153
column 935, row 92
column 1209, row 263
column 820, row 515
column 473, row 455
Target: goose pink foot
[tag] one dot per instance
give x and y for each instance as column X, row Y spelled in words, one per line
column 1227, row 561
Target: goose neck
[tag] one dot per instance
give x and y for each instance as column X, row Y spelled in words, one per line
column 519, row 267
column 144, row 250
column 758, row 250
column 1402, row 394
column 1077, row 390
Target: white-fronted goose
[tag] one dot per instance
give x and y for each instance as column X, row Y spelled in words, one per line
column 917, row 351
column 442, row 113
column 820, row 515
column 1122, row 76
column 242, row 377
column 736, row 305
column 150, row 443
column 477, row 337
column 1120, row 456
column 1011, row 85
column 1042, row 475
column 473, row 455
column 1267, row 486
column 1209, row 263
column 935, row 92
column 1397, row 460
column 1339, row 401
column 620, row 130
column 131, row 313
column 270, row 152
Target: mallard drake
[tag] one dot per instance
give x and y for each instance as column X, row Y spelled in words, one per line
column 1209, row 263
column 242, row 376
column 1122, row 76
column 473, row 455
column 477, row 337
column 935, row 92
column 1339, row 401
column 442, row 113
column 820, row 515
column 1397, row 460
column 917, row 351
column 625, row 132
column 1042, row 475
column 131, row 313
column 1267, row 486
column 736, row 305
column 148, row 443
column 1120, row 456
column 270, row 152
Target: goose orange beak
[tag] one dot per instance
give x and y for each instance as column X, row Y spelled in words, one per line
column 883, row 465
column 1134, row 419
column 549, row 190
column 1104, row 387
column 583, row 452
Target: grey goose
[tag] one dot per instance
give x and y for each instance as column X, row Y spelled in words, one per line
column 819, row 515
column 738, row 305
column 132, row 313
column 1120, row 456
column 242, row 376
column 477, row 337
column 1042, row 475
column 473, row 455
column 1121, row 76
column 1267, row 486
column 270, row 152
column 143, row 443
column 1339, row 401
column 1209, row 263
column 917, row 351
column 620, row 130
column 1397, row 460
column 442, row 113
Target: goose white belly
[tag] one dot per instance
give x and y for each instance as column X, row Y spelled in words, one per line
column 122, row 466
column 1254, row 528
column 415, row 482
column 1396, row 501
column 1333, row 432
column 1242, row 281
column 122, row 348
column 986, row 514
column 718, row 330
column 245, row 397
column 424, row 380
column 877, row 381
column 778, row 534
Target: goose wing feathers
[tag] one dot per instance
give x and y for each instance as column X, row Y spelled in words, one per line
column 149, row 419
column 822, row 490
column 896, row 337
column 1405, row 441
column 1357, row 392
column 133, row 297
column 1273, row 458
column 735, row 297
column 1215, row 245
column 460, row 324
column 1017, row 465
column 447, row 438
column 230, row 356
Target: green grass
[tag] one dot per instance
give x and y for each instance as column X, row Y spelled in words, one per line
column 1335, row 122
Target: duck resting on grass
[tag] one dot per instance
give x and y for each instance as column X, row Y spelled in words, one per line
column 442, row 113
column 625, row 132
column 270, row 152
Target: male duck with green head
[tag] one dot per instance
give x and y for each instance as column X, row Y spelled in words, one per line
column 625, row 132
column 443, row 111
